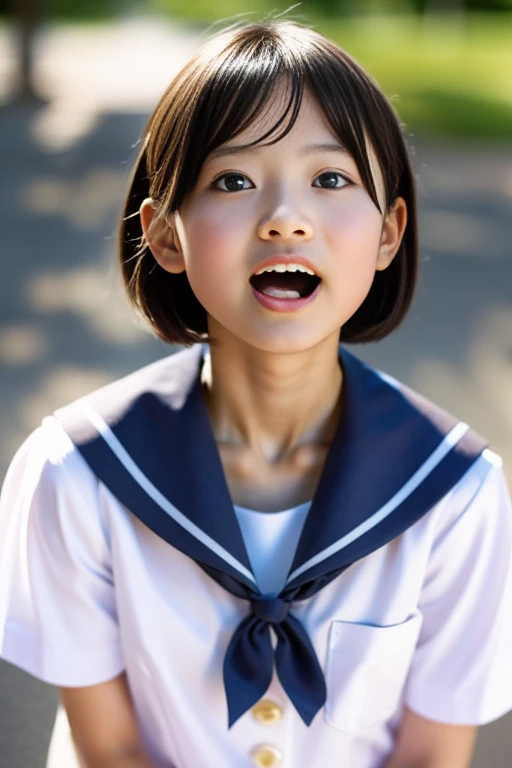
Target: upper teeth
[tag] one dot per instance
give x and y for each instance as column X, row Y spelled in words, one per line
column 286, row 268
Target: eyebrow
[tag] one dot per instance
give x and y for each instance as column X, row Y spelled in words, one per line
column 307, row 150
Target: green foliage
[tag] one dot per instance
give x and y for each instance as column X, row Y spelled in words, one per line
column 209, row 10
column 442, row 78
column 464, row 5
column 213, row 9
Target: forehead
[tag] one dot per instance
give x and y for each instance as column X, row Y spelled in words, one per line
column 311, row 126
column 310, row 118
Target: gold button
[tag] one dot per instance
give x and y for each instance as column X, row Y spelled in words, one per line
column 266, row 756
column 267, row 711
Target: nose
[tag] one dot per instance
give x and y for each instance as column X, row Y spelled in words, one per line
column 285, row 224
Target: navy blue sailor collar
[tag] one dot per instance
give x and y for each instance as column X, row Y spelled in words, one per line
column 395, row 454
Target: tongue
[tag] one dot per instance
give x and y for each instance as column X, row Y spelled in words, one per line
column 281, row 294
column 283, row 285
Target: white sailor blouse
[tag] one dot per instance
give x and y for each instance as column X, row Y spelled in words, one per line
column 120, row 550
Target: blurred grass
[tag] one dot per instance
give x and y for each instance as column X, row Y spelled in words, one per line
column 445, row 76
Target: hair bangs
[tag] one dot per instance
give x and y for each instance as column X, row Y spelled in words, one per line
column 233, row 101
column 343, row 115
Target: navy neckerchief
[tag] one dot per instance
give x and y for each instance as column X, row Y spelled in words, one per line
column 395, row 454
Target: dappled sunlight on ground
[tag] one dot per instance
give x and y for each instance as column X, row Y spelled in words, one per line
column 22, row 344
column 61, row 124
column 88, row 292
column 85, row 202
column 60, row 386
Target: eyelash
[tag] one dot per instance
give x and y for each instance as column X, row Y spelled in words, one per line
column 238, row 173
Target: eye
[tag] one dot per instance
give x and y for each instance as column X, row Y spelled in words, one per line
column 331, row 181
column 233, row 180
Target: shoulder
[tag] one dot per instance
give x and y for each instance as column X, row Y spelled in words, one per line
column 47, row 449
column 479, row 506
column 47, row 468
column 51, row 504
column 484, row 475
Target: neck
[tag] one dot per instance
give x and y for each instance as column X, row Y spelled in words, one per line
column 272, row 403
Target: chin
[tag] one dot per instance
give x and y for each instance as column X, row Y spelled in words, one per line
column 285, row 343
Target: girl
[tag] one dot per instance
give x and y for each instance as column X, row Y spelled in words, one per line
column 261, row 551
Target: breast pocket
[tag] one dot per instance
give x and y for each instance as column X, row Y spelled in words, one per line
column 366, row 671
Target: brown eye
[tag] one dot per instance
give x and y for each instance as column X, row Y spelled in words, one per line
column 234, row 182
column 330, row 177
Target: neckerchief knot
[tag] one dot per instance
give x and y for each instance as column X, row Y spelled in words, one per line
column 272, row 610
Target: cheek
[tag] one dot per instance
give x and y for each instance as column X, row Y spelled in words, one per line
column 354, row 235
column 214, row 244
column 209, row 238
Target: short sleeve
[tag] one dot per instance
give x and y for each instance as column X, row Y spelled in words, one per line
column 461, row 672
column 58, row 617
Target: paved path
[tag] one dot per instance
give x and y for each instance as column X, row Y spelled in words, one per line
column 65, row 328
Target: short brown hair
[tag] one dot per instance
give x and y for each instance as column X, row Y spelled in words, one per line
column 214, row 97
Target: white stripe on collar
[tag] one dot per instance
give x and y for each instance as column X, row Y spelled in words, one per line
column 126, row 460
column 451, row 439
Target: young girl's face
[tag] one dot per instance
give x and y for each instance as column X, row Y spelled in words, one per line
column 282, row 199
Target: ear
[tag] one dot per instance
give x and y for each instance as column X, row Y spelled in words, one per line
column 161, row 237
column 392, row 232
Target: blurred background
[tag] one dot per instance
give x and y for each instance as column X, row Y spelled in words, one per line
column 77, row 83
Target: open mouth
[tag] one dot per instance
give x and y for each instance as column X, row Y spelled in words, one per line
column 285, row 285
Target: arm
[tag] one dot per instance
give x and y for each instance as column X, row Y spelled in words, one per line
column 423, row 743
column 103, row 725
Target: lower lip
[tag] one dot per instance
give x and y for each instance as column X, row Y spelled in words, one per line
column 284, row 305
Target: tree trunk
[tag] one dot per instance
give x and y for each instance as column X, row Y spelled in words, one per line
column 27, row 17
